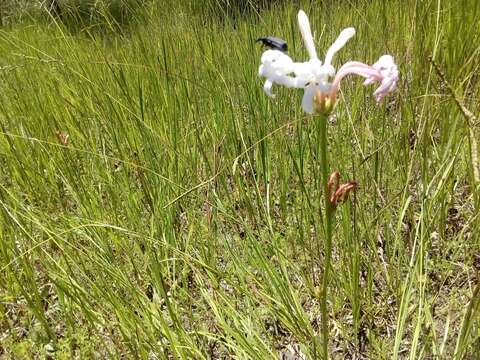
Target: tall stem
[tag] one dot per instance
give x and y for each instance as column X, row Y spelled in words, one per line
column 329, row 219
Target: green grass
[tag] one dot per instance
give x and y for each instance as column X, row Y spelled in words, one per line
column 183, row 217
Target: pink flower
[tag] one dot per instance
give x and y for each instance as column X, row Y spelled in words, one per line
column 383, row 71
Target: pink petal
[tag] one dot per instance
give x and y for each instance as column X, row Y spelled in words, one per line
column 357, row 68
column 383, row 71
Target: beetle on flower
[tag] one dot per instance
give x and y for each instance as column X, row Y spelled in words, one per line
column 320, row 91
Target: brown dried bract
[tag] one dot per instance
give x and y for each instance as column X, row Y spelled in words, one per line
column 62, row 137
column 339, row 192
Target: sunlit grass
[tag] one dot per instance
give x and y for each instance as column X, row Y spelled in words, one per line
column 182, row 215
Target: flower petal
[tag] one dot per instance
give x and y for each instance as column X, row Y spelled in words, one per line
column 276, row 67
column 387, row 67
column 304, row 25
column 357, row 68
column 384, row 62
column 267, row 87
column 285, row 80
column 342, row 39
column 308, row 95
column 290, row 81
column 388, row 85
column 307, row 70
column 383, row 71
column 275, row 62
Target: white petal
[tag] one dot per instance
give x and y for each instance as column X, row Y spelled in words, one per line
column 275, row 56
column 307, row 101
column 307, row 69
column 269, row 55
column 289, row 81
column 384, row 62
column 267, row 87
column 284, row 64
column 275, row 62
column 342, row 39
column 302, row 69
column 261, row 70
column 322, row 73
column 304, row 25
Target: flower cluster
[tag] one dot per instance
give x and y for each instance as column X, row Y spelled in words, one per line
column 315, row 78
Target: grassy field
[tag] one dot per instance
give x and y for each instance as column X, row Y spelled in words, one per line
column 156, row 204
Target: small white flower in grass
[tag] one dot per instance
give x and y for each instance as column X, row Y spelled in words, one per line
column 314, row 77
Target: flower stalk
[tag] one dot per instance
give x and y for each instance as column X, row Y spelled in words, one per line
column 329, row 224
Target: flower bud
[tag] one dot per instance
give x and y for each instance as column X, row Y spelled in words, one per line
column 324, row 102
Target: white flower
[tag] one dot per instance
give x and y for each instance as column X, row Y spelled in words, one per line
column 275, row 67
column 315, row 77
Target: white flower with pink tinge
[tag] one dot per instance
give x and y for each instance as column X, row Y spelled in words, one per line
column 320, row 92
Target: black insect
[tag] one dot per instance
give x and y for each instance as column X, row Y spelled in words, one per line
column 274, row 43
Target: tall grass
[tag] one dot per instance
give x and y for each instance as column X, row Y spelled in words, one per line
column 155, row 204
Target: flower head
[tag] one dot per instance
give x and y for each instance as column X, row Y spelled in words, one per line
column 383, row 71
column 316, row 78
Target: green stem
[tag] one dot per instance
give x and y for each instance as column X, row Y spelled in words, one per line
column 329, row 218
